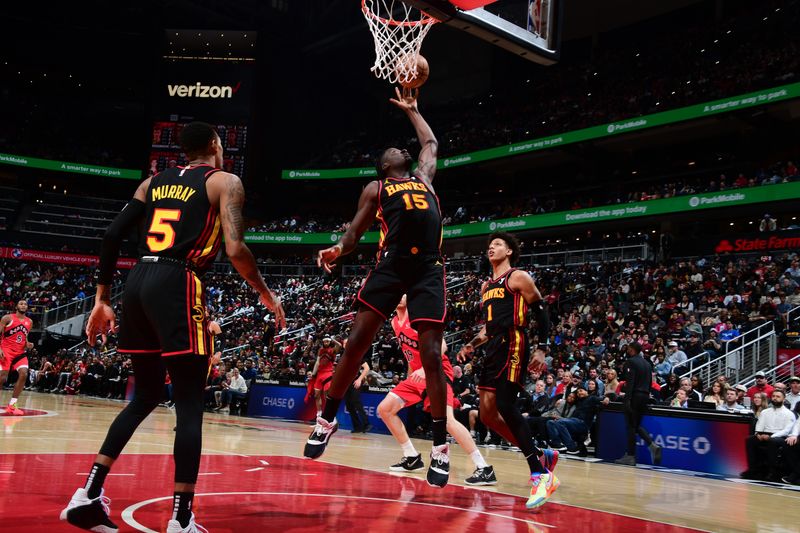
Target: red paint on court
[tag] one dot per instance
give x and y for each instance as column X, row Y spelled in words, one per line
column 26, row 412
column 287, row 495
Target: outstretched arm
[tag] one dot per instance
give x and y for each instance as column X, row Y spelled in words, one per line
column 231, row 199
column 426, row 163
column 367, row 207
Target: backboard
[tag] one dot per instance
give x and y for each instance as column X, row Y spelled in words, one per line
column 528, row 28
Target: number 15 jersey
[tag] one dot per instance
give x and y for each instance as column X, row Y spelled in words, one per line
column 410, row 219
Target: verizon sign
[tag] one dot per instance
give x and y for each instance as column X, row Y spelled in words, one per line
column 756, row 245
column 198, row 90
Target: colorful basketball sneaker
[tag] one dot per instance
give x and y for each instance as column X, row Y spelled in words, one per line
column 550, row 459
column 542, row 487
column 12, row 410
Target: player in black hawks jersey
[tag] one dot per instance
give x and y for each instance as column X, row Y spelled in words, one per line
column 409, row 262
column 165, row 327
column 507, row 301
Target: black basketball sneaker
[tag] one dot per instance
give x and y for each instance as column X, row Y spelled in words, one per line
column 439, row 469
column 90, row 514
column 482, row 477
column 408, row 464
column 316, row 443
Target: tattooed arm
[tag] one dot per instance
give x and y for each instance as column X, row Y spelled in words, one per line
column 226, row 191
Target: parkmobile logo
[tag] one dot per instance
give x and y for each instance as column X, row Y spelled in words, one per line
column 198, row 90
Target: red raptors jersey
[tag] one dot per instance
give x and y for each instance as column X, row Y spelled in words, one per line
column 15, row 336
column 409, row 344
column 326, row 359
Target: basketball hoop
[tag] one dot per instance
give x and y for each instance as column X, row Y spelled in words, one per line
column 398, row 30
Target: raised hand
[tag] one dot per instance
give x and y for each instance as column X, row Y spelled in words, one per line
column 406, row 99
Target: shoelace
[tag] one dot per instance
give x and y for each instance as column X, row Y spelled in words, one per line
column 440, row 455
column 198, row 527
column 105, row 501
column 320, row 428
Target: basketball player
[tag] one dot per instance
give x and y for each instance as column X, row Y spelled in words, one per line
column 410, row 262
column 185, row 211
column 323, row 369
column 14, row 330
column 506, row 301
column 411, row 391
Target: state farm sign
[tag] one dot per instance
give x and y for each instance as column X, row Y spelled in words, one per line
column 774, row 242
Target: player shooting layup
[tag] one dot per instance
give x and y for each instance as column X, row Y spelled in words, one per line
column 410, row 262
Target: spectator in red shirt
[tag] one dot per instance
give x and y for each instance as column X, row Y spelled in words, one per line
column 566, row 380
column 760, row 386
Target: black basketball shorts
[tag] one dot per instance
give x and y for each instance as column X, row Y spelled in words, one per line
column 421, row 279
column 507, row 356
column 164, row 312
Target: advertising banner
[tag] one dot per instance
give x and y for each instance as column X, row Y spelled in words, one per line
column 711, row 445
column 66, row 166
column 288, row 402
column 678, row 204
column 763, row 243
column 63, row 258
column 724, row 105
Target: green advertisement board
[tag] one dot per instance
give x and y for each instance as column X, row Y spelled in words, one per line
column 679, row 204
column 725, row 105
column 65, row 166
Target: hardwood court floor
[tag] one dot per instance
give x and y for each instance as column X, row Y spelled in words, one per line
column 252, row 478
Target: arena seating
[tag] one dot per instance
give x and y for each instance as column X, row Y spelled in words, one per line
column 72, row 215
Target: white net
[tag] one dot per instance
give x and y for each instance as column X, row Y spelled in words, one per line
column 398, row 30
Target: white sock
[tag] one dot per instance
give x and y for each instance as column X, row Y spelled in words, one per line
column 408, row 449
column 478, row 459
column 319, row 414
column 13, row 401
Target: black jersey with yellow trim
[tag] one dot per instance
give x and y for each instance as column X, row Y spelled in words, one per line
column 503, row 308
column 180, row 222
column 410, row 217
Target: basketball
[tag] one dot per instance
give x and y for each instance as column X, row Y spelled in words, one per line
column 423, row 71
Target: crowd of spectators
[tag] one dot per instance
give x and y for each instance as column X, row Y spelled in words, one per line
column 562, row 200
column 756, row 49
column 673, row 311
column 43, row 285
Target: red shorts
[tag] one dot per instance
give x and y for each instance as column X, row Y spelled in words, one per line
column 323, row 381
column 411, row 393
column 14, row 362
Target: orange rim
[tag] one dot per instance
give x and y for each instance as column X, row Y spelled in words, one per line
column 391, row 22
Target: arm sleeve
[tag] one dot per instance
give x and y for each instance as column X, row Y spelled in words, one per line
column 542, row 321
column 116, row 232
